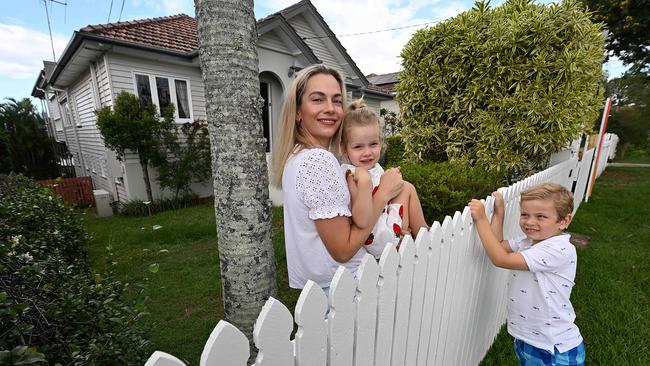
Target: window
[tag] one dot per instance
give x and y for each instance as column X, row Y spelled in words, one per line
column 161, row 91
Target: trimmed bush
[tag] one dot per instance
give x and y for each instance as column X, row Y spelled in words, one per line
column 446, row 187
column 394, row 150
column 52, row 307
column 502, row 88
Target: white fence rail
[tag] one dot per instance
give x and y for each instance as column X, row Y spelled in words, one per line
column 438, row 301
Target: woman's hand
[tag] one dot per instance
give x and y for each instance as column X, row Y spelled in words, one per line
column 390, row 184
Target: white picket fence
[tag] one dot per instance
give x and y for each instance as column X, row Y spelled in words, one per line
column 438, row 301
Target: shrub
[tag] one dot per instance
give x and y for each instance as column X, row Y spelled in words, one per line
column 52, row 307
column 394, row 150
column 446, row 187
column 501, row 87
column 141, row 208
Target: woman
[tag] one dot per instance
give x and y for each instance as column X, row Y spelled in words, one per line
column 319, row 234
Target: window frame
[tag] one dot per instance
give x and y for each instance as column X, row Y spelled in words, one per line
column 171, row 80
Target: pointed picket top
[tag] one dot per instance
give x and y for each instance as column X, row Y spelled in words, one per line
column 271, row 334
column 341, row 317
column 311, row 336
column 447, row 224
column 367, row 275
column 159, row 358
column 226, row 346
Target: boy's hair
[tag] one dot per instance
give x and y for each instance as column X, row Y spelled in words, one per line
column 561, row 197
column 359, row 115
column 290, row 135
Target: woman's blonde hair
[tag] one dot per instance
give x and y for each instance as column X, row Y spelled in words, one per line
column 290, row 134
column 359, row 115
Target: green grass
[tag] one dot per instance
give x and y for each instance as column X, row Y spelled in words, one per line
column 613, row 278
column 185, row 300
column 633, row 158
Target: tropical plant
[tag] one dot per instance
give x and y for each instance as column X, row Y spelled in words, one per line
column 24, row 145
column 501, row 87
column 227, row 35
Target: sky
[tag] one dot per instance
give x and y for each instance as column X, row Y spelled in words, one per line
column 25, row 40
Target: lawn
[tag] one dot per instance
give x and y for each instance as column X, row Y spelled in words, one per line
column 613, row 278
column 184, row 293
column 610, row 296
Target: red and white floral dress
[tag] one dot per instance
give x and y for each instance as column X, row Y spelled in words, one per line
column 388, row 228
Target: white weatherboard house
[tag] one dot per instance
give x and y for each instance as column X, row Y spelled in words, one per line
column 157, row 59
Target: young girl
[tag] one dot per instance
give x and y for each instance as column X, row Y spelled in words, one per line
column 361, row 144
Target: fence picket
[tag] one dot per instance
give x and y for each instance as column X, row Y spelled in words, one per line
column 366, row 312
column 311, row 336
column 435, row 235
column 341, row 318
column 163, row 359
column 402, row 310
column 435, row 352
column 387, row 296
column 271, row 335
column 226, row 346
column 420, row 266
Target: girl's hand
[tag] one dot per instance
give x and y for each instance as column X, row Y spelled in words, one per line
column 477, row 210
column 361, row 176
column 390, row 184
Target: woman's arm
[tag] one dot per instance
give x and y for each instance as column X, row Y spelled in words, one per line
column 360, row 186
column 341, row 237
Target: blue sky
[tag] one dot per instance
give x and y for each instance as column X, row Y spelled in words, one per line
column 25, row 41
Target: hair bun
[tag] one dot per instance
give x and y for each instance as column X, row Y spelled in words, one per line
column 357, row 104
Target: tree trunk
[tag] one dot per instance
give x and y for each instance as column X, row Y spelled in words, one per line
column 228, row 57
column 144, row 163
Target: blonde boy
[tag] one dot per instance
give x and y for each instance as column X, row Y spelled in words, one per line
column 540, row 314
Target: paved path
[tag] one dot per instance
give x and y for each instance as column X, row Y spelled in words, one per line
column 629, row 165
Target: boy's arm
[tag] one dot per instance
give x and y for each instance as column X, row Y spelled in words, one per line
column 497, row 220
column 494, row 247
column 360, row 186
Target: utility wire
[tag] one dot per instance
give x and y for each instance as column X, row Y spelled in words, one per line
column 109, row 12
column 376, row 31
column 122, row 8
column 49, row 27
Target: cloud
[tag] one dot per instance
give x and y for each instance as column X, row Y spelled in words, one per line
column 23, row 50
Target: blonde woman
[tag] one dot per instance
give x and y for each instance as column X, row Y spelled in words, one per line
column 319, row 235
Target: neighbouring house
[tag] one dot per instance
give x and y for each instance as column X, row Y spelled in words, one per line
column 386, row 83
column 157, row 59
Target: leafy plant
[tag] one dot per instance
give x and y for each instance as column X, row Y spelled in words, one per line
column 501, row 88
column 52, row 307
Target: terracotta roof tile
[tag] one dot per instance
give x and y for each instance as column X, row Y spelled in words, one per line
column 176, row 33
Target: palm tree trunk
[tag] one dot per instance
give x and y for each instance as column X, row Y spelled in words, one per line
column 228, row 57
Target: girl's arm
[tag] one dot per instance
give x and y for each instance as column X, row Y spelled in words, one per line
column 360, row 186
column 495, row 248
column 342, row 238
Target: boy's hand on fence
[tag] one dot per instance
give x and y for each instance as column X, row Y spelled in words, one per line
column 499, row 204
column 477, row 210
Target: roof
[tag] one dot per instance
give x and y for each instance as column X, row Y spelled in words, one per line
column 174, row 33
column 390, row 78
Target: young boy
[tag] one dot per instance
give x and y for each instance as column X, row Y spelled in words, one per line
column 540, row 314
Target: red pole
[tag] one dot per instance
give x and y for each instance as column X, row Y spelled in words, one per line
column 603, row 128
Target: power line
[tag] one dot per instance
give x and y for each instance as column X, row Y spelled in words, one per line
column 122, row 8
column 109, row 12
column 375, row 31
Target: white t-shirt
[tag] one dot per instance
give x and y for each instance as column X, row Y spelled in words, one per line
column 313, row 188
column 539, row 310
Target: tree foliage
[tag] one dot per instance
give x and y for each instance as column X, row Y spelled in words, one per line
column 628, row 23
column 629, row 115
column 25, row 146
column 501, row 87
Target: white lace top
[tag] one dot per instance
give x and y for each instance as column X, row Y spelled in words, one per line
column 313, row 188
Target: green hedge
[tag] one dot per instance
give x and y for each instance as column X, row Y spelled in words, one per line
column 501, row 87
column 140, row 208
column 53, row 308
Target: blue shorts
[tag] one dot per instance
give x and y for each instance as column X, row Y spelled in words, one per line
column 532, row 356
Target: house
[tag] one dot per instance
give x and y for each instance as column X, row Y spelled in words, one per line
column 157, row 59
column 386, row 83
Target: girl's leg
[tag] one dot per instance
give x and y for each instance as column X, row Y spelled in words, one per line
column 413, row 217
